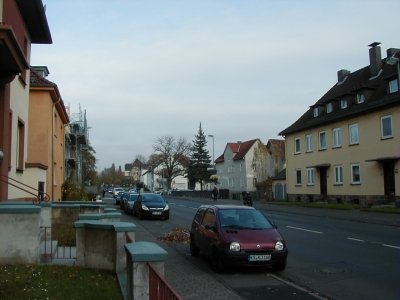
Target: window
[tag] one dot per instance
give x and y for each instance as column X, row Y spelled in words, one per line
column 209, row 217
column 353, row 133
column 322, row 140
column 316, row 112
column 309, row 142
column 338, row 174
column 329, row 107
column 386, row 127
column 360, row 98
column 310, row 176
column 297, row 145
column 393, row 86
column 355, row 174
column 337, row 137
column 20, row 145
column 298, row 177
column 343, row 103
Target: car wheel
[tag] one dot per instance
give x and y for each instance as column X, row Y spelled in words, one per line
column 217, row 264
column 194, row 250
column 279, row 266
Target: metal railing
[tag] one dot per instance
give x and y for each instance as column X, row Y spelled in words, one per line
column 51, row 249
column 39, row 195
column 159, row 289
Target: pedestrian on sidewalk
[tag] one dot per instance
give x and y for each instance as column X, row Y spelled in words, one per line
column 215, row 193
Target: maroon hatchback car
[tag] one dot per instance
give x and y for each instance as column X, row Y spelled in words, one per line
column 234, row 235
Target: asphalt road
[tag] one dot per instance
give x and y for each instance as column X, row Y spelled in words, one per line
column 329, row 258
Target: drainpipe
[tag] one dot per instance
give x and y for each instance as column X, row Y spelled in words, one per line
column 52, row 148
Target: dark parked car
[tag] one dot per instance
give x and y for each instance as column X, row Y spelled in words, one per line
column 130, row 202
column 150, row 205
column 237, row 235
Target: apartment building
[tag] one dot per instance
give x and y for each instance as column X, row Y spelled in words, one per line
column 346, row 147
column 22, row 23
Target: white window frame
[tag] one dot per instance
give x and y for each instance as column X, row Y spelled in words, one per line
column 309, row 145
column 322, row 147
column 353, row 179
column 339, row 174
column 298, row 171
column 393, row 86
column 343, row 103
column 297, row 145
column 310, row 176
column 354, row 140
column 387, row 136
column 360, row 98
column 329, row 107
column 337, row 137
column 316, row 112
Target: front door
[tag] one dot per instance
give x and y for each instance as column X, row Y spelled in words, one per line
column 323, row 183
column 388, row 177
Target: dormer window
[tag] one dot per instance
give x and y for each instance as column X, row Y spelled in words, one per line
column 316, row 112
column 393, row 86
column 360, row 98
column 343, row 103
column 329, row 107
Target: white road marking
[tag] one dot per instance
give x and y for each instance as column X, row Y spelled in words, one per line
column 356, row 240
column 391, row 246
column 303, row 229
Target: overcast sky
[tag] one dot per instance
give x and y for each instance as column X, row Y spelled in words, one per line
column 245, row 69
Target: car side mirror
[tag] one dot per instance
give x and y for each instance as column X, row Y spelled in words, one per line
column 211, row 227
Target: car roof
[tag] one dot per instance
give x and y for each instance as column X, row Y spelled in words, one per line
column 227, row 206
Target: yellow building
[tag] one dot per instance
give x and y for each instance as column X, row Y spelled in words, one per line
column 346, row 147
column 47, row 120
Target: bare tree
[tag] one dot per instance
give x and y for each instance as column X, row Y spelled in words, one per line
column 173, row 154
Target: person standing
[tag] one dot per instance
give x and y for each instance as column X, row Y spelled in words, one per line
column 215, row 193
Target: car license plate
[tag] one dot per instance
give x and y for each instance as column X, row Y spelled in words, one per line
column 260, row 257
column 156, row 213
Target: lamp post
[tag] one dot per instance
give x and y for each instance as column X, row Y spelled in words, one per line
column 212, row 136
column 395, row 61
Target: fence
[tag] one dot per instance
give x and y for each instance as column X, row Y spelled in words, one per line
column 159, row 289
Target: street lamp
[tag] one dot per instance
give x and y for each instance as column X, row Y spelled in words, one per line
column 212, row 136
column 395, row 61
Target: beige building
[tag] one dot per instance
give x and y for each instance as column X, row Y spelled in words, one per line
column 47, row 120
column 346, row 147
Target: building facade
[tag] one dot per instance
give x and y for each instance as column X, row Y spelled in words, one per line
column 245, row 164
column 346, row 147
column 47, row 120
column 21, row 24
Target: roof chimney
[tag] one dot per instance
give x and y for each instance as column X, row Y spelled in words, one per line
column 392, row 51
column 375, row 59
column 342, row 74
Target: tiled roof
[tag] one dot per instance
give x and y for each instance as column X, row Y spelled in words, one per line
column 239, row 150
column 375, row 90
column 37, row 80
